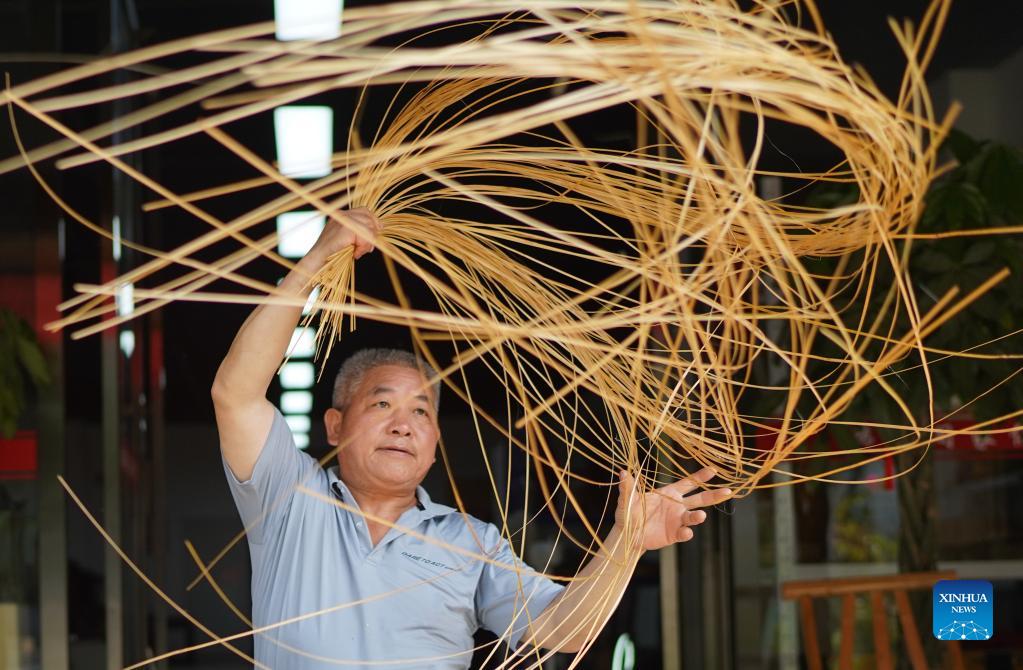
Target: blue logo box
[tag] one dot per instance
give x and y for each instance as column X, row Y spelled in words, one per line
column 963, row 610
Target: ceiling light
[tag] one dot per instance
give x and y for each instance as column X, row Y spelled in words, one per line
column 303, row 343
column 125, row 299
column 296, row 402
column 297, row 375
column 126, row 340
column 307, row 19
column 297, row 232
column 298, row 423
column 305, row 140
column 313, row 297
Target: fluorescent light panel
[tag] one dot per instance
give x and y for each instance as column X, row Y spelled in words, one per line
column 314, row 295
column 301, row 440
column 305, row 140
column 310, row 301
column 296, row 402
column 307, row 19
column 298, row 423
column 297, row 375
column 115, row 229
column 127, row 342
column 297, row 232
column 303, row 343
column 125, row 299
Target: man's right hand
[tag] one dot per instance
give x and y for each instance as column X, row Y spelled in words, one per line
column 356, row 228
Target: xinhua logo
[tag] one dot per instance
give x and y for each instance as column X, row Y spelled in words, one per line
column 963, row 610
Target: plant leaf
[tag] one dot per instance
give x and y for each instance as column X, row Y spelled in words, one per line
column 955, row 205
column 33, row 361
column 978, row 252
column 933, row 261
column 962, row 146
column 1001, row 181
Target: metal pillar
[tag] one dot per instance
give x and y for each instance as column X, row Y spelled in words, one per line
column 785, row 560
column 671, row 616
column 53, row 615
column 113, row 579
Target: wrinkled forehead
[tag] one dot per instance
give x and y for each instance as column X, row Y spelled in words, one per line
column 395, row 379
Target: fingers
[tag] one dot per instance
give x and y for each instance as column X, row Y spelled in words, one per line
column 682, row 516
column 363, row 243
column 676, row 492
column 707, row 498
column 684, row 534
column 631, row 507
column 627, row 483
column 364, row 229
column 362, row 247
column 704, row 498
column 694, row 517
column 693, row 481
column 366, row 218
column 626, row 487
column 688, row 518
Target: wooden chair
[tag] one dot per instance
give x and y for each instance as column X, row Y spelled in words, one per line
column 874, row 588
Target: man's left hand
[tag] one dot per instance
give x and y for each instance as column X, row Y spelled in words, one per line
column 665, row 515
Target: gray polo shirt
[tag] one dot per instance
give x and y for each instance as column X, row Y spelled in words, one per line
column 407, row 600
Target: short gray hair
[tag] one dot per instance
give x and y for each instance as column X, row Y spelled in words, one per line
column 357, row 366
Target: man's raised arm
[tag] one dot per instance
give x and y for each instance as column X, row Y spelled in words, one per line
column 244, row 415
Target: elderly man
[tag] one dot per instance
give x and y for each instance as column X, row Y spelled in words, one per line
column 356, row 563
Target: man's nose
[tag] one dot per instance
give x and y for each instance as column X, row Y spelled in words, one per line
column 400, row 427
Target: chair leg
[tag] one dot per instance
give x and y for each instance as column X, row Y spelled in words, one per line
column 810, row 644
column 910, row 631
column 955, row 652
column 845, row 655
column 882, row 643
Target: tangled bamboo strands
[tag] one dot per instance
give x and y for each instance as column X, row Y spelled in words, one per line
column 621, row 296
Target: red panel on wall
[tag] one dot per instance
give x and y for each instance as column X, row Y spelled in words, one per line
column 18, row 456
column 1006, row 443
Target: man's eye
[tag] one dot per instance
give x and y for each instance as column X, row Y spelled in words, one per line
column 382, row 404
column 420, row 411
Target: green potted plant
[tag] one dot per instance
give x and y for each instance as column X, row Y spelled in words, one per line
column 23, row 370
column 984, row 190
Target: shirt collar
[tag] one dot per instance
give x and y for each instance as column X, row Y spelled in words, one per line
column 427, row 508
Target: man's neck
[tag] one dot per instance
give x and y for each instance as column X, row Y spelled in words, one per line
column 388, row 506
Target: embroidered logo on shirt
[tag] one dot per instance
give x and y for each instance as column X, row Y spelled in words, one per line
column 426, row 561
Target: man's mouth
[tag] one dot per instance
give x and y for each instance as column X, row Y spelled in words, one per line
column 397, row 450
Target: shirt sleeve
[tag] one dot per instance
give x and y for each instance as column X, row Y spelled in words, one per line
column 507, row 600
column 263, row 499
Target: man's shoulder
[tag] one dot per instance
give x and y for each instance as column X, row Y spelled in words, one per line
column 470, row 530
column 465, row 519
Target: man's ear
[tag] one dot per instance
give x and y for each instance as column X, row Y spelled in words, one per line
column 332, row 422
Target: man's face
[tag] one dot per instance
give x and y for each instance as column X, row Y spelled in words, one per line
column 388, row 432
